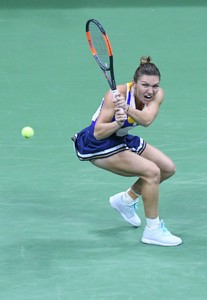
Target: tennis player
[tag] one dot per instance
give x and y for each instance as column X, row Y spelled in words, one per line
column 107, row 145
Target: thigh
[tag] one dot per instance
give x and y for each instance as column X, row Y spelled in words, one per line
column 126, row 163
column 159, row 158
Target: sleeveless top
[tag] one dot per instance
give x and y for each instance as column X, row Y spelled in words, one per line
column 129, row 123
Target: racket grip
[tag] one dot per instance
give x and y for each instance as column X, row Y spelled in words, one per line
column 115, row 92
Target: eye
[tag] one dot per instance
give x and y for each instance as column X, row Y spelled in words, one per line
column 156, row 86
column 144, row 84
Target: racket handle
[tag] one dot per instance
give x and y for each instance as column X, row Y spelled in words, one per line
column 115, row 92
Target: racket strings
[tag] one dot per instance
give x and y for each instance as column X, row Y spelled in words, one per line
column 100, row 45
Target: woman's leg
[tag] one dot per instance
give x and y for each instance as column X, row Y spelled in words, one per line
column 127, row 163
column 164, row 163
column 152, row 168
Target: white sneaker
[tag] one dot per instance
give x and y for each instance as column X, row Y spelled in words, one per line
column 127, row 211
column 159, row 235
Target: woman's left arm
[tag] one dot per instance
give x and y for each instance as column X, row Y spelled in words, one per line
column 146, row 116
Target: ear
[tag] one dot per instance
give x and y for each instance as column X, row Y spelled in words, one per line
column 133, row 83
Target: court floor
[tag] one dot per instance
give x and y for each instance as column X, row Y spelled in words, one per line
column 59, row 238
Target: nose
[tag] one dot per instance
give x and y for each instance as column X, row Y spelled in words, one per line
column 150, row 89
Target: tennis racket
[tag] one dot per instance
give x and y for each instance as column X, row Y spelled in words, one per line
column 101, row 49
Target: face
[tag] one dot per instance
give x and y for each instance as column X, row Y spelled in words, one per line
column 146, row 88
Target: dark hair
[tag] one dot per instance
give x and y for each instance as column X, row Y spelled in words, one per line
column 146, row 67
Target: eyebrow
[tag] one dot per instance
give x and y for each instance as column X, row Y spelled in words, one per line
column 150, row 84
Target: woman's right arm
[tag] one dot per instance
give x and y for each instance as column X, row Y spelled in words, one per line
column 104, row 127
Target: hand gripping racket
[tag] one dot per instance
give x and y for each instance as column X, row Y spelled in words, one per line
column 101, row 49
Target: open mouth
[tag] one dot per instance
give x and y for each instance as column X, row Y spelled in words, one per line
column 147, row 97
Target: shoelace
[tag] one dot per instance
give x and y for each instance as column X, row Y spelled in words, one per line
column 165, row 231
column 130, row 210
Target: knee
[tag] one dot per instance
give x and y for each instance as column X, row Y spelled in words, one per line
column 171, row 169
column 154, row 174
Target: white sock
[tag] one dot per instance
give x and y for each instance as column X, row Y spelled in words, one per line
column 153, row 222
column 127, row 199
column 133, row 192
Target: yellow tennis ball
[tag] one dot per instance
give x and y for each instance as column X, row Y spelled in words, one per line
column 27, row 132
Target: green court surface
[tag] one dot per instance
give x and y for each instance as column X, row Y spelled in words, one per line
column 59, row 237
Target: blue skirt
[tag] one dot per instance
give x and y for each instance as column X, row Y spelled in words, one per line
column 87, row 147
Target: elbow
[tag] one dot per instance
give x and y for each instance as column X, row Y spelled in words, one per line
column 147, row 123
column 100, row 132
column 98, row 135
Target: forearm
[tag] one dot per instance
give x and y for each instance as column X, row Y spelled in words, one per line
column 140, row 117
column 104, row 130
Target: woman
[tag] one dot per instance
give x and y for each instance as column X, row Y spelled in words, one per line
column 107, row 145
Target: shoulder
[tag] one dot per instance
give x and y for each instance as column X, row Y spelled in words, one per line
column 155, row 104
column 159, row 98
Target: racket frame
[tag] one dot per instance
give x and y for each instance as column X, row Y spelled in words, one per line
column 111, row 81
